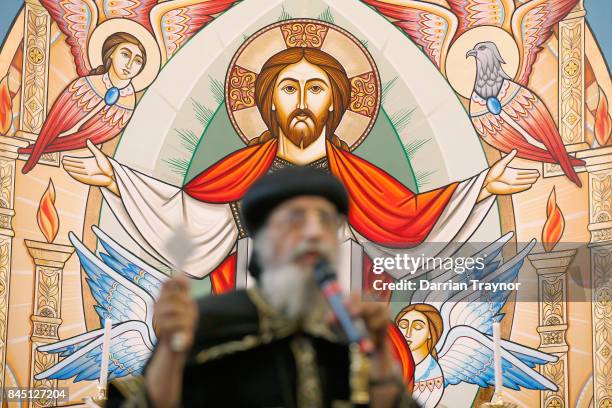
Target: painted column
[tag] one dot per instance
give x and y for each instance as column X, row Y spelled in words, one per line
column 600, row 225
column 551, row 268
column 571, row 85
column 49, row 260
column 35, row 75
column 8, row 155
column 571, row 76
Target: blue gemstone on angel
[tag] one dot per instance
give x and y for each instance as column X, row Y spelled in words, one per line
column 112, row 96
column 117, row 51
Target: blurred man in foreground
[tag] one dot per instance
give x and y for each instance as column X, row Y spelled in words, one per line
column 275, row 344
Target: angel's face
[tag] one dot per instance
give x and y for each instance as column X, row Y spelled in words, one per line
column 414, row 326
column 127, row 60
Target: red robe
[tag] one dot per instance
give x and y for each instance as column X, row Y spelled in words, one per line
column 381, row 208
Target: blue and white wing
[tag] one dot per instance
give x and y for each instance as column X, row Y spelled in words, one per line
column 120, row 296
column 129, row 265
column 117, row 297
column 491, row 256
column 480, row 308
column 130, row 348
column 467, row 356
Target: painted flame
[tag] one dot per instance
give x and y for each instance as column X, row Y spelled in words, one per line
column 48, row 220
column 6, row 110
column 554, row 225
column 603, row 123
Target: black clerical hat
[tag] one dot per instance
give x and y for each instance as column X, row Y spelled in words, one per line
column 281, row 185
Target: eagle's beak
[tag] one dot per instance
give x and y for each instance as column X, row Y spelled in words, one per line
column 470, row 53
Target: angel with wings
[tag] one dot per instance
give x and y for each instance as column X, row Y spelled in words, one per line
column 118, row 48
column 449, row 333
column 504, row 42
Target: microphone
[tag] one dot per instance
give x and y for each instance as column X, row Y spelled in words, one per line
column 354, row 329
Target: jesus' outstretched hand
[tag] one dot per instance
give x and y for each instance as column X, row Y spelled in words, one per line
column 501, row 179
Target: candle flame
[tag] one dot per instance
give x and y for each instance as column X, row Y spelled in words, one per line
column 6, row 111
column 603, row 123
column 48, row 220
column 554, row 225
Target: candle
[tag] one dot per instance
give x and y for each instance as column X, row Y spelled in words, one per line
column 105, row 352
column 497, row 359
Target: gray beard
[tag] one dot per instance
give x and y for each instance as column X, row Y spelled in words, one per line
column 289, row 290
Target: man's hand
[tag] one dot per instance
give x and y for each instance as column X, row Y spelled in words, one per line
column 375, row 315
column 95, row 170
column 175, row 314
column 502, row 179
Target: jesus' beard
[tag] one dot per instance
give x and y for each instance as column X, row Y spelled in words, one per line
column 302, row 127
column 289, row 288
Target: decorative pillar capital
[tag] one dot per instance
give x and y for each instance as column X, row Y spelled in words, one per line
column 553, row 262
column 51, row 255
column 6, row 218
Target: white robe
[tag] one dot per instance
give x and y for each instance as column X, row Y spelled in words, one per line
column 150, row 211
column 428, row 383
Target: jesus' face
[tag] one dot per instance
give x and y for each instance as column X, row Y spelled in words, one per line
column 302, row 101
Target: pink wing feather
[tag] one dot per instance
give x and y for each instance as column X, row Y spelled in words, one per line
column 136, row 10
column 531, row 114
column 102, row 127
column 532, row 25
column 528, row 112
column 175, row 22
column 429, row 25
column 501, row 135
column 73, row 104
column 475, row 13
column 76, row 19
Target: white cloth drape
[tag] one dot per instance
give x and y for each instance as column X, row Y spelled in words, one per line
column 150, row 211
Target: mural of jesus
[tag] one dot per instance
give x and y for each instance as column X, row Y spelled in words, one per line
column 302, row 94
